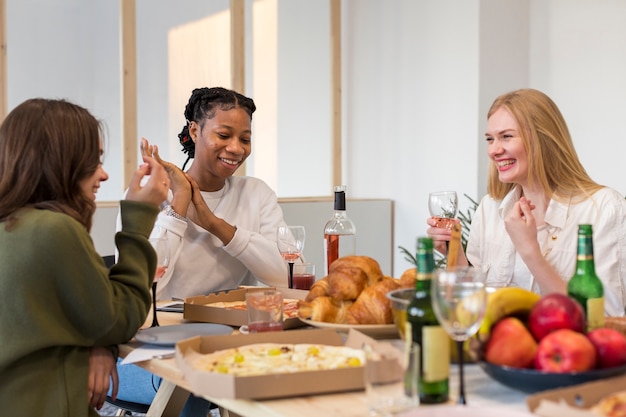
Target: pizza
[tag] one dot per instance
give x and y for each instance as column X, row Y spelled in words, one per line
column 279, row 358
column 611, row 406
column 290, row 306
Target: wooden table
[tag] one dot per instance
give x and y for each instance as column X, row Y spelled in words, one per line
column 174, row 390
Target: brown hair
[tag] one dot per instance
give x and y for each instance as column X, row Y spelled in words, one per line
column 46, row 148
column 552, row 159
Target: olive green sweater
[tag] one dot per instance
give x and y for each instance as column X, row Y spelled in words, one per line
column 57, row 299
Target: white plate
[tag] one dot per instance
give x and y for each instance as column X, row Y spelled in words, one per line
column 373, row 330
column 169, row 335
column 463, row 411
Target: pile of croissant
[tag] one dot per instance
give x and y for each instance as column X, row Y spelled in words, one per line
column 353, row 292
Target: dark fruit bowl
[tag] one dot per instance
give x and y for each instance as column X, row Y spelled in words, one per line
column 531, row 380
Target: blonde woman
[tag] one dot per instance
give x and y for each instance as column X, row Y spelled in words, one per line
column 525, row 230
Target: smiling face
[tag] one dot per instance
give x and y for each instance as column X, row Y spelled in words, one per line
column 505, row 147
column 223, row 143
column 90, row 184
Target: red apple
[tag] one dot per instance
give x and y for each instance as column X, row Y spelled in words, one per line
column 510, row 344
column 555, row 311
column 565, row 350
column 610, row 346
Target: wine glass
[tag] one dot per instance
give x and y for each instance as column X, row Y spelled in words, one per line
column 443, row 206
column 162, row 249
column 290, row 240
column 459, row 301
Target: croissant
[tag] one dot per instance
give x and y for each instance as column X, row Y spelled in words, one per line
column 346, row 282
column 319, row 288
column 372, row 306
column 370, row 266
column 324, row 309
column 407, row 279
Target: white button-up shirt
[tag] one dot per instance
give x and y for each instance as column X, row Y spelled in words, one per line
column 490, row 248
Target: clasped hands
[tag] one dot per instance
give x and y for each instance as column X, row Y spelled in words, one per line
column 185, row 189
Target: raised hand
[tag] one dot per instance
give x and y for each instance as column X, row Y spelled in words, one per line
column 177, row 177
column 521, row 226
column 154, row 191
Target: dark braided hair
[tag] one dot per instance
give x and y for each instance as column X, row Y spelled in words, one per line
column 202, row 105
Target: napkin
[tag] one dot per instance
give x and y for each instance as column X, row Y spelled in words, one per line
column 146, row 352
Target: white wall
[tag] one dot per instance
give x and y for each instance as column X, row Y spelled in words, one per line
column 374, row 235
column 418, row 77
column 411, row 115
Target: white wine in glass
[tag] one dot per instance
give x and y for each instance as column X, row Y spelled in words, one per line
column 459, row 300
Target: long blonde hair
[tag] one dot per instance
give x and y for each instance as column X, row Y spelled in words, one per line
column 552, row 159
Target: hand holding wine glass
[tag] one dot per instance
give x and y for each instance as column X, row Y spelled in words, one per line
column 290, row 240
column 459, row 300
column 161, row 247
column 443, row 206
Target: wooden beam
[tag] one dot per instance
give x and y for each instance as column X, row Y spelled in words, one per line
column 3, row 60
column 238, row 54
column 237, row 46
column 335, row 63
column 128, row 24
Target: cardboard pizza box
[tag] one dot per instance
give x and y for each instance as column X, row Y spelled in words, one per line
column 216, row 385
column 574, row 401
column 196, row 308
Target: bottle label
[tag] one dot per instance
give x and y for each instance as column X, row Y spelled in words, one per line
column 436, row 354
column 595, row 313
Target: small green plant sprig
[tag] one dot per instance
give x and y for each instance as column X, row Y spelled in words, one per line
column 466, row 222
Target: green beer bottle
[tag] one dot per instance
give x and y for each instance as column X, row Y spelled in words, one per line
column 585, row 286
column 424, row 329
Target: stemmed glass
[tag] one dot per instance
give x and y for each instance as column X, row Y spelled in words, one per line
column 459, row 300
column 290, row 240
column 162, row 250
column 443, row 206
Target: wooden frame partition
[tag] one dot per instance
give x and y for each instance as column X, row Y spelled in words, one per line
column 128, row 20
column 128, row 27
column 3, row 59
column 335, row 85
column 237, row 15
column 128, row 47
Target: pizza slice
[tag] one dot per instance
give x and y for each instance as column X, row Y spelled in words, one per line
column 290, row 306
column 611, row 406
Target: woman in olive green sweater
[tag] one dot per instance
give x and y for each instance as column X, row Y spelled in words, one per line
column 60, row 307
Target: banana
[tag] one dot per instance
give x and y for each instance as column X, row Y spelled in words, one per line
column 505, row 302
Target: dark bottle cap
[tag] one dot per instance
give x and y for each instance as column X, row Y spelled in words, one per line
column 340, row 197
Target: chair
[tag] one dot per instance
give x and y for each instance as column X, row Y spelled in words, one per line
column 126, row 408
column 109, row 260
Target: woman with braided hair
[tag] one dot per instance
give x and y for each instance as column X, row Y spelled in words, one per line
column 221, row 228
